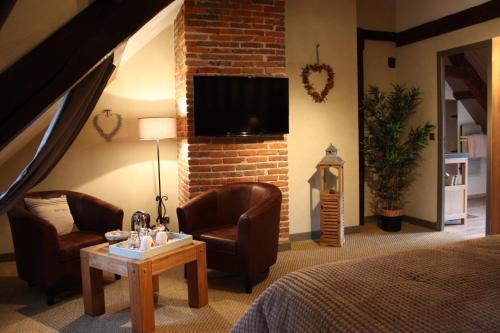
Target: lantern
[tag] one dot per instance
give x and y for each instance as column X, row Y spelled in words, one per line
column 331, row 171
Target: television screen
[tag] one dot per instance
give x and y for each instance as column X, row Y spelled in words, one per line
column 236, row 105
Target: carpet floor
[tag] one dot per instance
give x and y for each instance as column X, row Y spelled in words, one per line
column 23, row 309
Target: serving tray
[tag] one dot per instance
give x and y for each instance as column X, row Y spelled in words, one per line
column 175, row 240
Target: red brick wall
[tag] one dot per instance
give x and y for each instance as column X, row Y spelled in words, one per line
column 228, row 37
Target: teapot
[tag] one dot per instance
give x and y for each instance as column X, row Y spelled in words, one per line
column 140, row 219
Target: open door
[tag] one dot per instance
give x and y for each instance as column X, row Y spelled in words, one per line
column 464, row 138
column 493, row 213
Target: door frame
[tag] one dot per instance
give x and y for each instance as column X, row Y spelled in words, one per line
column 441, row 130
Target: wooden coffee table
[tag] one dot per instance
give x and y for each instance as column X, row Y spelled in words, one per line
column 143, row 279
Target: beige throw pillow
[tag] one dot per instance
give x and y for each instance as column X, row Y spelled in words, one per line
column 54, row 210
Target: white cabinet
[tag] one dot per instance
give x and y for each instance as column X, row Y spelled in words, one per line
column 455, row 191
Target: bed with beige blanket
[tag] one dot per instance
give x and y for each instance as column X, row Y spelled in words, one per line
column 455, row 288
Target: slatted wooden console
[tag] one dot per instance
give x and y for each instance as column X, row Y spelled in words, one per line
column 331, row 189
column 332, row 219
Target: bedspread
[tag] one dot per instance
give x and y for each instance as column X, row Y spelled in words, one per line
column 454, row 288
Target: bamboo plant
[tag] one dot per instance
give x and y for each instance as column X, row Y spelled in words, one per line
column 391, row 151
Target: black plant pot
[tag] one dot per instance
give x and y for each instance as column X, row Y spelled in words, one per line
column 391, row 223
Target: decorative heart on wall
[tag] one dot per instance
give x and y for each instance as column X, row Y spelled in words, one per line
column 118, row 123
column 318, row 97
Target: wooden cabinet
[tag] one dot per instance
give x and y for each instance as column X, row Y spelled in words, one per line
column 456, row 188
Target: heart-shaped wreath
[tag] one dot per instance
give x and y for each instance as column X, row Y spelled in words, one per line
column 107, row 114
column 318, row 68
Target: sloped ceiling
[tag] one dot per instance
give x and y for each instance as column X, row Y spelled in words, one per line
column 466, row 89
column 30, row 22
column 150, row 30
column 479, row 59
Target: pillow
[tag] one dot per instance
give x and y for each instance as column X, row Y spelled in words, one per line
column 54, row 210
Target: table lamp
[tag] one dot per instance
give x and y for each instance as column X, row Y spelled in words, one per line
column 158, row 129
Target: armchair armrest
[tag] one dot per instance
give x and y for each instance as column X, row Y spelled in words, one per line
column 198, row 213
column 36, row 244
column 258, row 233
column 93, row 214
column 31, row 227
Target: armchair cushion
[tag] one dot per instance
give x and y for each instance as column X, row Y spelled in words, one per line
column 54, row 210
column 219, row 239
column 70, row 244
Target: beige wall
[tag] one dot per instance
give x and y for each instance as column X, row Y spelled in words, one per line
column 417, row 65
column 378, row 73
column 410, row 13
column 381, row 16
column 376, row 14
column 123, row 171
column 314, row 126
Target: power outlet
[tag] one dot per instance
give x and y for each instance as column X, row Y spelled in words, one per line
column 432, row 137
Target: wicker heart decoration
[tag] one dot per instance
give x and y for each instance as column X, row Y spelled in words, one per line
column 107, row 113
column 318, row 68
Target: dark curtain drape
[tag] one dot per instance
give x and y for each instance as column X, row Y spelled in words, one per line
column 75, row 109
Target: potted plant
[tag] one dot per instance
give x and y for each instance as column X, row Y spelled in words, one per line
column 391, row 151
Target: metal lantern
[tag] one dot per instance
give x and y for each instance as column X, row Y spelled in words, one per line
column 331, row 171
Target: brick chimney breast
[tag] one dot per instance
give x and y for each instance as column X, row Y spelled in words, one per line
column 228, row 37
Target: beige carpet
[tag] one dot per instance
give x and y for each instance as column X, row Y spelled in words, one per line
column 23, row 309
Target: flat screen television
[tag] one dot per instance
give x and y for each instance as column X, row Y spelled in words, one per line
column 240, row 106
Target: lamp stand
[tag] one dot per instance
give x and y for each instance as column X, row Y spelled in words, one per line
column 162, row 210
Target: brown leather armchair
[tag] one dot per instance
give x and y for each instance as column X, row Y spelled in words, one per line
column 47, row 260
column 240, row 225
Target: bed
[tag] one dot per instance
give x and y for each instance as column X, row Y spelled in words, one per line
column 454, row 288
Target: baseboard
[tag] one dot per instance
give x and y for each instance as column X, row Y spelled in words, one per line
column 422, row 223
column 301, row 236
column 355, row 229
column 7, row 257
column 371, row 219
column 284, row 245
column 409, row 219
column 476, row 196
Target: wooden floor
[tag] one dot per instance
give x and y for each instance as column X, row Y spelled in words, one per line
column 476, row 220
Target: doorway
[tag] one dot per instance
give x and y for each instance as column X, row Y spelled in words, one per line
column 464, row 77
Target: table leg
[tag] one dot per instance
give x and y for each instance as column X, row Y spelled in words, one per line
column 92, row 287
column 141, row 297
column 156, row 283
column 197, row 278
column 156, row 288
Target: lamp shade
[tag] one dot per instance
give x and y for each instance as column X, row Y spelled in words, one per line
column 156, row 128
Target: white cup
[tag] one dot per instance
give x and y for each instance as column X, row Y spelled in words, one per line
column 146, row 243
column 161, row 238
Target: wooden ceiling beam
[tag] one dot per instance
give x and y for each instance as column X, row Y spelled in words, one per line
column 460, row 95
column 36, row 80
column 454, row 72
column 5, row 9
column 488, row 10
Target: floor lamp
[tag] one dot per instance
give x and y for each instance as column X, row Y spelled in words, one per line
column 158, row 129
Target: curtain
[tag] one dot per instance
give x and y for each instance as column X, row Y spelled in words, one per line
column 73, row 112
